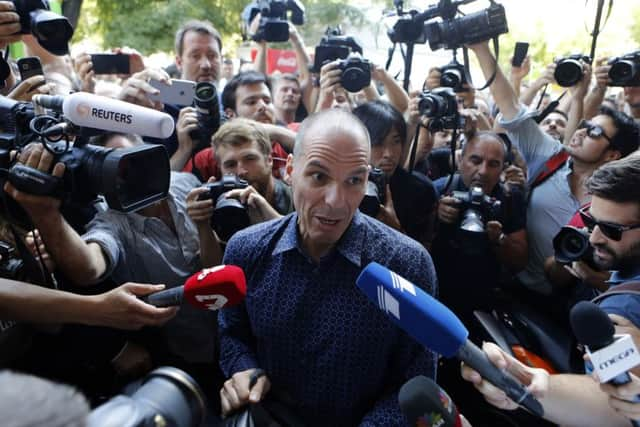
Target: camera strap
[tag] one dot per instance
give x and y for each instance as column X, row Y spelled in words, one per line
column 596, row 26
column 465, row 58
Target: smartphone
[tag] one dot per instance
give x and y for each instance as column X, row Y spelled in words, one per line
column 179, row 92
column 29, row 66
column 519, row 53
column 110, row 63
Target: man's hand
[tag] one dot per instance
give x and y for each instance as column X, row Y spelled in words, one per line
column 580, row 89
column 536, row 380
column 514, row 176
column 137, row 89
column 34, row 85
column 258, row 207
column 494, row 232
column 9, row 24
column 602, row 73
column 621, row 397
column 625, row 326
column 330, row 77
column 36, row 157
column 433, row 78
column 120, row 308
column 519, row 73
column 448, row 210
column 387, row 213
column 36, row 247
column 187, row 122
column 595, row 279
column 236, row 391
column 199, row 211
column 84, row 69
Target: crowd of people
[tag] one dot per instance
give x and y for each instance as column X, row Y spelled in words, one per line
column 328, row 185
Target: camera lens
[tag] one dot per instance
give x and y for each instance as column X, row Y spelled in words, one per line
column 623, row 71
column 568, row 72
column 451, row 78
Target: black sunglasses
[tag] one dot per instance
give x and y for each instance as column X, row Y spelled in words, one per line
column 594, row 130
column 611, row 230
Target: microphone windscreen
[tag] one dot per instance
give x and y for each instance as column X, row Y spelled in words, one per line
column 99, row 112
column 216, row 288
column 424, row 403
column 591, row 325
column 419, row 314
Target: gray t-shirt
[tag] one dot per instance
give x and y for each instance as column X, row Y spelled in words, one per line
column 144, row 249
column 551, row 205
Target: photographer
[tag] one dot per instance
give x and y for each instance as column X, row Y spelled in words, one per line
column 242, row 148
column 596, row 96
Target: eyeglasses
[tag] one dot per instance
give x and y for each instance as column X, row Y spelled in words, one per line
column 611, row 230
column 593, row 130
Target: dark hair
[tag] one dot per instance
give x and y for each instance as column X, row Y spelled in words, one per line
column 560, row 112
column 486, row 135
column 379, row 118
column 241, row 79
column 618, row 181
column 627, row 138
column 200, row 27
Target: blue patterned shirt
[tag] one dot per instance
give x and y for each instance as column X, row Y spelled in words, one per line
column 319, row 339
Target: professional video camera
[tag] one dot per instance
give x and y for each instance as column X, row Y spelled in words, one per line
column 375, row 193
column 52, row 31
column 570, row 69
column 273, row 25
column 477, row 209
column 453, row 75
column 167, row 397
column 129, row 179
column 441, row 107
column 206, row 104
column 229, row 215
column 572, row 244
column 625, row 70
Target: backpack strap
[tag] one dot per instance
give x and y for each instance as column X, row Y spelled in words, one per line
column 627, row 288
column 554, row 163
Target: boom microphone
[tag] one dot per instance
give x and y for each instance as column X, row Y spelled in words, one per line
column 99, row 112
column 436, row 327
column 425, row 404
column 210, row 289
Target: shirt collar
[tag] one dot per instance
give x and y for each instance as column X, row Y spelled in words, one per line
column 618, row 277
column 349, row 246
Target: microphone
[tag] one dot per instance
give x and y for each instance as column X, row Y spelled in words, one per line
column 611, row 355
column 436, row 327
column 210, row 289
column 425, row 404
column 99, row 112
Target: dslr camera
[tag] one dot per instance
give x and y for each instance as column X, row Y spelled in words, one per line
column 625, row 70
column 229, row 215
column 477, row 209
column 570, row 70
column 53, row 31
column 356, row 72
column 273, row 25
column 375, row 193
column 441, row 107
column 205, row 101
column 453, row 75
column 572, row 244
column 167, row 397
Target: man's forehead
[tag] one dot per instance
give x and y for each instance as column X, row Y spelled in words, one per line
column 194, row 40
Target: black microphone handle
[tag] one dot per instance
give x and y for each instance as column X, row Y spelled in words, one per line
column 477, row 359
column 167, row 298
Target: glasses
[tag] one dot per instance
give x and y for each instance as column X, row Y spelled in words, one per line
column 593, row 130
column 611, row 230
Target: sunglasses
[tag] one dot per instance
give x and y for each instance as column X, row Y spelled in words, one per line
column 593, row 130
column 611, row 230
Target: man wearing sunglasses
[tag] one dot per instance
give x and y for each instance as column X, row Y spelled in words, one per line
column 614, row 221
column 553, row 201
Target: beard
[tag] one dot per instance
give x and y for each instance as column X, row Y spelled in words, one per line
column 620, row 262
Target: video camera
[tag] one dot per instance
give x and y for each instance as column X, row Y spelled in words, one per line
column 52, row 31
column 207, row 107
column 570, row 70
column 129, row 179
column 374, row 194
column 625, row 70
column 229, row 215
column 441, row 107
column 572, row 244
column 167, row 397
column 273, row 25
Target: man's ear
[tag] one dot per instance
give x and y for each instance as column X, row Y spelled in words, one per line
column 613, row 154
column 229, row 113
column 179, row 63
column 288, row 169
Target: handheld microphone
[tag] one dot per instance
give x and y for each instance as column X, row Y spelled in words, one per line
column 210, row 289
column 425, row 404
column 99, row 112
column 611, row 355
column 436, row 327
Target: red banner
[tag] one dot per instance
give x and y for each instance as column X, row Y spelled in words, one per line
column 281, row 60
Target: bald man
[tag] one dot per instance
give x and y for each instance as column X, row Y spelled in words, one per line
column 304, row 329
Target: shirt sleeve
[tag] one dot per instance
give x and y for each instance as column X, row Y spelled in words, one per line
column 625, row 305
column 104, row 230
column 237, row 343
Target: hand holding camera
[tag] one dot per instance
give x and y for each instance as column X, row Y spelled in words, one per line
column 199, row 209
column 10, row 27
column 580, row 89
column 449, row 210
column 84, row 69
column 26, row 89
column 258, row 207
column 187, row 123
column 137, row 89
column 592, row 277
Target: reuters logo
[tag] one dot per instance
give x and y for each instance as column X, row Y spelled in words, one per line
column 83, row 110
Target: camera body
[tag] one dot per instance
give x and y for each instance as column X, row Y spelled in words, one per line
column 53, row 31
column 441, row 107
column 572, row 244
column 453, row 75
column 207, row 106
column 375, row 193
column 334, row 45
column 570, row 70
column 625, row 70
column 476, row 209
column 453, row 33
column 408, row 30
column 274, row 26
column 229, row 215
column 356, row 72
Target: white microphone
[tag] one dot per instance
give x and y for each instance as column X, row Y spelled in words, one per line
column 88, row 110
